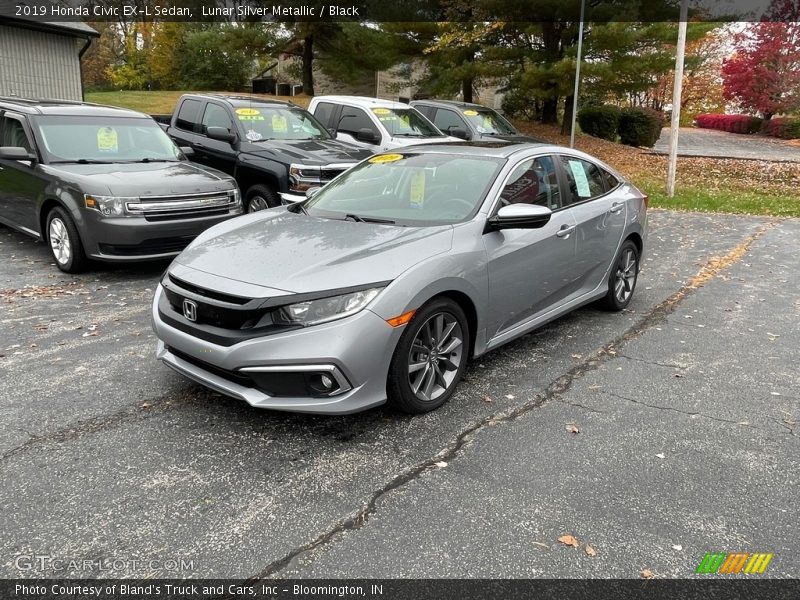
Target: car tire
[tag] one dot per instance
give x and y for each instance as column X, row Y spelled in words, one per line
column 261, row 197
column 430, row 358
column 622, row 278
column 64, row 242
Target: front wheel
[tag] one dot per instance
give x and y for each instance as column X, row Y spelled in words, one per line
column 64, row 242
column 622, row 280
column 261, row 197
column 430, row 358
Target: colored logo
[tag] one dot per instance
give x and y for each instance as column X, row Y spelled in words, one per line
column 733, row 563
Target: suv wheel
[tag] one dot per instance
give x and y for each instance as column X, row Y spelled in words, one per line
column 64, row 242
column 430, row 358
column 622, row 280
column 261, row 197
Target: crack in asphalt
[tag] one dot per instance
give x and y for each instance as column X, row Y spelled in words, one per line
column 554, row 391
column 654, row 363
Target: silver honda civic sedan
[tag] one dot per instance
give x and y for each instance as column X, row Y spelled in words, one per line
column 384, row 283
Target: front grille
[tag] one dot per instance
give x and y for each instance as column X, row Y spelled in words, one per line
column 328, row 173
column 214, row 315
column 214, row 295
column 184, row 206
column 170, row 245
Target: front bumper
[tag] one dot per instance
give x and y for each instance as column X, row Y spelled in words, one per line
column 358, row 349
column 137, row 239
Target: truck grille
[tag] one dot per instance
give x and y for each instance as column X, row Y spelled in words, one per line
column 330, row 171
column 185, row 206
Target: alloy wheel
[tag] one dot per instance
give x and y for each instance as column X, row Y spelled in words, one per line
column 59, row 241
column 435, row 356
column 625, row 277
column 257, row 203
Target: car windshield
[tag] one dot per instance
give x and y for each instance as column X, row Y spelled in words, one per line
column 405, row 122
column 415, row 189
column 263, row 122
column 104, row 139
column 488, row 122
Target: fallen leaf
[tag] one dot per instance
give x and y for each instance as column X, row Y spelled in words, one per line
column 146, row 405
column 661, row 455
column 677, row 547
column 679, row 375
column 647, row 574
column 541, row 545
column 573, row 428
column 487, row 399
column 590, row 551
column 441, row 464
column 510, row 396
column 577, row 356
column 568, row 540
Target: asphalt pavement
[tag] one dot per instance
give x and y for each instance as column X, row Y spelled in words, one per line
column 653, row 435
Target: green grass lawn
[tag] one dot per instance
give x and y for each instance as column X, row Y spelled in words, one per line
column 160, row 102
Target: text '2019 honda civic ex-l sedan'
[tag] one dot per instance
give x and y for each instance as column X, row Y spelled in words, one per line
column 387, row 280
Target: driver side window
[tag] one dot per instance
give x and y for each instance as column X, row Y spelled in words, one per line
column 353, row 120
column 14, row 134
column 216, row 116
column 533, row 181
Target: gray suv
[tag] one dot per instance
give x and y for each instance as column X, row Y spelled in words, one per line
column 95, row 182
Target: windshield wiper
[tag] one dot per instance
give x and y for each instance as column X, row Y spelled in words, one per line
column 357, row 218
column 297, row 206
column 152, row 160
column 83, row 161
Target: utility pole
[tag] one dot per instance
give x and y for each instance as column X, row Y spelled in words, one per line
column 577, row 79
column 676, row 100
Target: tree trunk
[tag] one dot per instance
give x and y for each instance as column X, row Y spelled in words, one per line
column 566, row 125
column 308, row 65
column 550, row 111
column 466, row 89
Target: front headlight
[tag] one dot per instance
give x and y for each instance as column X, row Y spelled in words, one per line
column 302, row 177
column 323, row 310
column 237, row 197
column 109, row 206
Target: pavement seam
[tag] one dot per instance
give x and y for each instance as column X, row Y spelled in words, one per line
column 558, row 387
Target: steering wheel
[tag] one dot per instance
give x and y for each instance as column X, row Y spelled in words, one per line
column 458, row 203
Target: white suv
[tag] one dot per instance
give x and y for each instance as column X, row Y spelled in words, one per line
column 374, row 123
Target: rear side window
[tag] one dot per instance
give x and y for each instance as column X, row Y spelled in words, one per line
column 355, row 119
column 14, row 134
column 189, row 115
column 216, row 116
column 324, row 113
column 445, row 119
column 585, row 180
column 611, row 181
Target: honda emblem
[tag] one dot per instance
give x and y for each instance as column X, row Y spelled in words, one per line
column 190, row 309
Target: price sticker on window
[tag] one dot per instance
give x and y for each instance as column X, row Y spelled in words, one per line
column 107, row 139
column 417, row 189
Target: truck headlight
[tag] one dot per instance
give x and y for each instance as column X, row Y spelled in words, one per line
column 323, row 310
column 109, row 206
column 302, row 177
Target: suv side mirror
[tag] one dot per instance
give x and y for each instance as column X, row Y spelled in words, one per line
column 519, row 216
column 221, row 134
column 332, row 131
column 367, row 135
column 458, row 132
column 188, row 151
column 16, row 153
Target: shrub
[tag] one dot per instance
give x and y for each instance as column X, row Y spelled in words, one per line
column 600, row 121
column 640, row 127
column 788, row 129
column 518, row 105
column 729, row 123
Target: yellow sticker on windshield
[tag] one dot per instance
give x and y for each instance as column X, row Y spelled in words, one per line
column 247, row 112
column 279, row 123
column 385, row 158
column 417, row 189
column 471, row 113
column 107, row 140
column 381, row 111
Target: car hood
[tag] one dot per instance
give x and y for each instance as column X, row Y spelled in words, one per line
column 517, row 138
column 399, row 141
column 309, row 152
column 145, row 179
column 299, row 253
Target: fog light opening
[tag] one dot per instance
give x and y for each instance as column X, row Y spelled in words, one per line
column 323, row 383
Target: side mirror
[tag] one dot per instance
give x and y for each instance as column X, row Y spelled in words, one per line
column 221, row 134
column 16, row 153
column 519, row 216
column 367, row 135
column 188, row 151
column 332, row 131
column 458, row 132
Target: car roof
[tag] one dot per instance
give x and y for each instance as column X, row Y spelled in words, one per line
column 450, row 103
column 362, row 101
column 64, row 107
column 496, row 149
column 242, row 99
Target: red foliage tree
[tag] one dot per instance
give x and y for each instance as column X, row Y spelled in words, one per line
column 763, row 74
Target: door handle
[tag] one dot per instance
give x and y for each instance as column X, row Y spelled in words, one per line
column 565, row 230
column 199, row 145
column 616, row 207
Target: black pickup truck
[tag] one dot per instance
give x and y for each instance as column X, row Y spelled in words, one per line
column 270, row 147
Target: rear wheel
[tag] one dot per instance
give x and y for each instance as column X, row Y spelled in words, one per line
column 64, row 242
column 622, row 280
column 430, row 358
column 261, row 197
